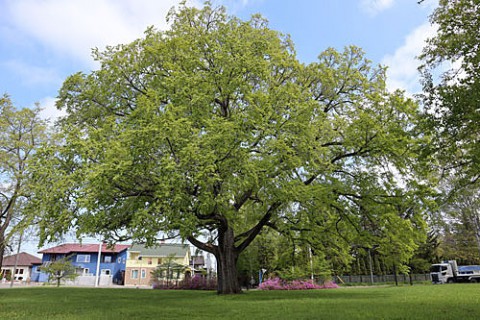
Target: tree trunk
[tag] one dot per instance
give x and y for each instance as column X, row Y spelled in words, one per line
column 227, row 255
column 395, row 274
column 2, row 250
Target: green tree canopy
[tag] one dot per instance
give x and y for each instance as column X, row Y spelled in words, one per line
column 21, row 133
column 215, row 130
column 452, row 112
column 452, row 101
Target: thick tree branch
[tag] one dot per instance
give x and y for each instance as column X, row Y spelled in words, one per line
column 253, row 232
column 209, row 247
column 242, row 199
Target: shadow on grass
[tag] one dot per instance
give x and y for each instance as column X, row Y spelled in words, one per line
column 324, row 294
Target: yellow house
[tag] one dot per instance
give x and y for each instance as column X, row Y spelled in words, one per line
column 141, row 261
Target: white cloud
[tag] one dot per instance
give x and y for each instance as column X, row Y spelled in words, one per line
column 402, row 65
column 33, row 75
column 236, row 5
column 74, row 27
column 49, row 110
column 373, row 7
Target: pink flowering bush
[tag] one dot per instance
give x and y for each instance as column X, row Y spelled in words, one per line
column 272, row 284
column 195, row 283
column 199, row 283
column 279, row 284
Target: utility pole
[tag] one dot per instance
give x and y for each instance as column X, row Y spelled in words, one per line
column 97, row 274
column 312, row 276
column 16, row 259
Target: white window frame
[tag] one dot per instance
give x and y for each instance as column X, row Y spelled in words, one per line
column 104, row 272
column 135, row 272
column 85, row 258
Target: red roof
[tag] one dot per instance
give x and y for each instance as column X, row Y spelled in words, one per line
column 77, row 247
column 24, row 259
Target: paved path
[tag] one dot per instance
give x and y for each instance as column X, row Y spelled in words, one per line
column 19, row 284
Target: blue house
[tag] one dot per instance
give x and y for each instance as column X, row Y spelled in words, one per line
column 85, row 258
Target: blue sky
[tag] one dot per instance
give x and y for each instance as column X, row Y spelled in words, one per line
column 44, row 41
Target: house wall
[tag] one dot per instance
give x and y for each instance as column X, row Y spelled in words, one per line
column 22, row 272
column 48, row 257
column 35, row 273
column 111, row 264
column 119, row 268
column 138, row 271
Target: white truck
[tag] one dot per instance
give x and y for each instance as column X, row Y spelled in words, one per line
column 450, row 272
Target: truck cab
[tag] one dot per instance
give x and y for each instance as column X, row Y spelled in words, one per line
column 445, row 272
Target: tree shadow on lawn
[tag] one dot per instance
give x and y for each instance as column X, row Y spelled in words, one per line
column 325, row 294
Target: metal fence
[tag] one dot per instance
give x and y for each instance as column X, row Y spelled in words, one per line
column 372, row 279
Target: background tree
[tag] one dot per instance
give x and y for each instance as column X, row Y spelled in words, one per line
column 214, row 127
column 168, row 270
column 460, row 228
column 426, row 254
column 21, row 132
column 61, row 269
column 451, row 104
column 452, row 101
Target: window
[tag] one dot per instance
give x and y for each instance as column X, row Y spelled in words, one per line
column 144, row 273
column 83, row 258
column 20, row 271
column 82, row 271
column 106, row 272
column 119, row 260
column 107, row 259
column 134, row 274
column 149, row 260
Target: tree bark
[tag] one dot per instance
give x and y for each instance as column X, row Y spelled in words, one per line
column 226, row 252
column 2, row 250
column 227, row 255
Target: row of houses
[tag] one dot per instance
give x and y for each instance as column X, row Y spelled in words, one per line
column 120, row 264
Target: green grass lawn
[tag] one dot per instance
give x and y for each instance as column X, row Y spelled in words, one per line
column 456, row 301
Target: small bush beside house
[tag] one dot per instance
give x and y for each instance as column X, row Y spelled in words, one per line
column 60, row 270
